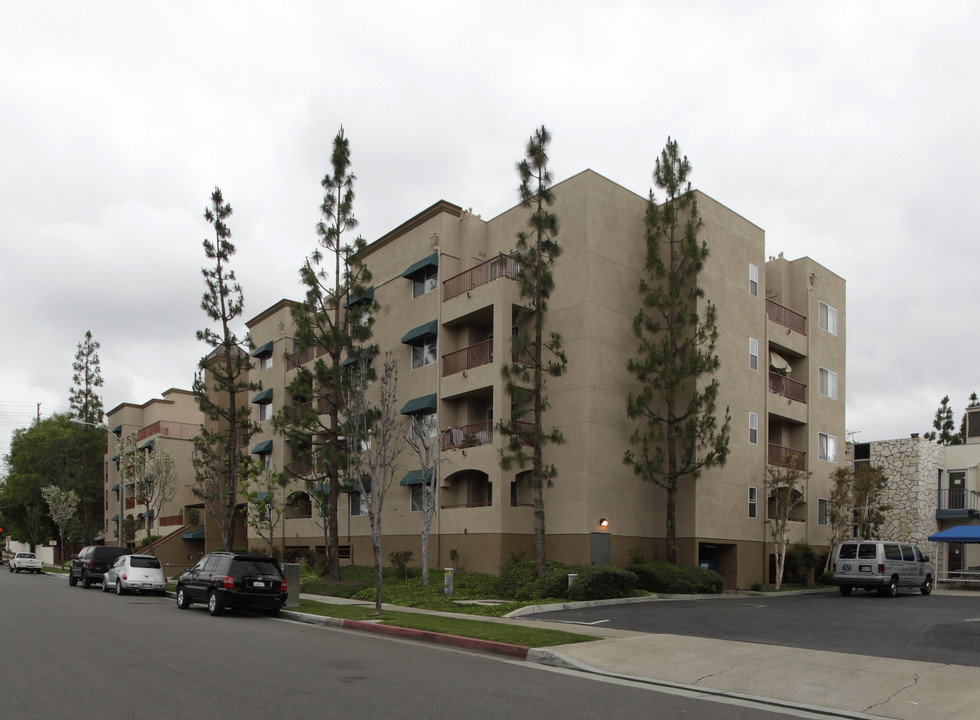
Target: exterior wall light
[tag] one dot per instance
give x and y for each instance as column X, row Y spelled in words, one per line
column 603, row 523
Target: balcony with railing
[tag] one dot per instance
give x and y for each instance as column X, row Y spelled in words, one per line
column 786, row 456
column 179, row 430
column 486, row 272
column 780, row 384
column 298, row 359
column 958, row 503
column 467, row 436
column 782, row 315
column 469, row 357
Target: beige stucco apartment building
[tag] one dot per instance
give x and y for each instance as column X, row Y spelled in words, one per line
column 447, row 303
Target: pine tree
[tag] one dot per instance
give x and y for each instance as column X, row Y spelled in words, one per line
column 85, row 402
column 526, row 376
column 220, row 458
column 678, row 435
column 86, row 406
column 942, row 423
column 334, row 320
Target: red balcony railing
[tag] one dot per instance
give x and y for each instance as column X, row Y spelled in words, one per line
column 168, row 520
column 469, row 357
column 466, row 436
column 298, row 359
column 787, row 387
column 485, row 272
column 183, row 431
column 786, row 317
column 784, row 456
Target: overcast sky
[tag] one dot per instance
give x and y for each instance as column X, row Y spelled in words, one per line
column 848, row 131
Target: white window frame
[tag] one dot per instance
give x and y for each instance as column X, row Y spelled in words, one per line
column 827, row 447
column 265, row 362
column 753, row 502
column 753, row 280
column 265, row 411
column 424, row 352
column 827, row 383
column 753, row 354
column 358, row 504
column 823, row 511
column 753, row 428
column 827, row 317
column 425, row 281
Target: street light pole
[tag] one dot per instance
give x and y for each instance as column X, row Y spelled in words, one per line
column 122, row 484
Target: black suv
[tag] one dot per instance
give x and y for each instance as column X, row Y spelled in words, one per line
column 236, row 580
column 91, row 563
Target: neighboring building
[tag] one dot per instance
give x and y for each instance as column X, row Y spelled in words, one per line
column 447, row 307
column 169, row 423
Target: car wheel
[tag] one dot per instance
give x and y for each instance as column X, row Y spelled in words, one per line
column 214, row 607
column 273, row 611
column 86, row 581
column 119, row 587
column 11, row 569
column 892, row 589
column 845, row 590
column 926, row 588
column 72, row 581
column 105, row 586
column 182, row 602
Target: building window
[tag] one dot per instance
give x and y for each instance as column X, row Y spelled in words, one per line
column 753, row 280
column 265, row 362
column 265, row 411
column 265, row 459
column 417, row 498
column 753, row 354
column 823, row 505
column 425, row 281
column 827, row 384
column 358, row 503
column 423, row 352
column 753, row 502
column 827, row 317
column 827, row 447
column 753, row 428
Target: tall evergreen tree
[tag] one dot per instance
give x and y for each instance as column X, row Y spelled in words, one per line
column 943, row 424
column 678, row 434
column 334, row 320
column 220, row 449
column 536, row 354
column 86, row 405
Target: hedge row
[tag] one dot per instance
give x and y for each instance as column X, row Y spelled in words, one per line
column 660, row 576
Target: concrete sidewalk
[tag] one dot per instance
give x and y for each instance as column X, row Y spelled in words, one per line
column 854, row 685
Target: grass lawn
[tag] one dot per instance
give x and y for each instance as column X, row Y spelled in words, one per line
column 498, row 632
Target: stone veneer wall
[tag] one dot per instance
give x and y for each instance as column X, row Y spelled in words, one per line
column 912, row 466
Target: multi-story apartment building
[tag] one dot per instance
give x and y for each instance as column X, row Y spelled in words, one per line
column 447, row 304
column 168, row 423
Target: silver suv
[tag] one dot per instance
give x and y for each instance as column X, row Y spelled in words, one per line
column 883, row 566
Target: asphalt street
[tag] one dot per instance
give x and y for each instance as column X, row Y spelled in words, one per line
column 937, row 628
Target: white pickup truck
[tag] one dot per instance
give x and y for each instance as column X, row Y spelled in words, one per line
column 25, row 561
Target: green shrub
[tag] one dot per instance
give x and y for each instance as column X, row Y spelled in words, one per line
column 600, row 582
column 636, row 556
column 517, row 580
column 661, row 576
column 801, row 559
column 400, row 559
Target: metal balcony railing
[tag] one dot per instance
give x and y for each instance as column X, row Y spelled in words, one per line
column 485, row 272
column 469, row 357
column 465, row 436
column 959, row 499
column 183, row 431
column 784, row 456
column 787, row 387
column 786, row 317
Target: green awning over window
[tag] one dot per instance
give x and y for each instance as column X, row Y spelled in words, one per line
column 146, row 443
column 263, row 397
column 352, row 487
column 366, row 296
column 414, row 477
column 115, row 488
column 323, row 489
column 116, row 430
column 424, row 404
column 263, row 447
column 260, row 497
column 193, row 535
column 365, row 355
column 429, row 261
column 430, row 329
column 115, row 518
column 263, row 350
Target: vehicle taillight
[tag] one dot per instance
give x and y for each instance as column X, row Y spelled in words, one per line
column 124, row 576
column 91, row 565
column 282, row 585
column 881, row 569
column 834, row 568
column 228, row 582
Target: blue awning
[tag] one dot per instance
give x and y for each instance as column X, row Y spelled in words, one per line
column 414, row 477
column 958, row 534
column 260, row 497
column 263, row 447
column 193, row 535
column 430, row 329
column 263, row 397
column 366, row 296
column 428, row 261
column 263, row 350
column 146, row 443
column 426, row 403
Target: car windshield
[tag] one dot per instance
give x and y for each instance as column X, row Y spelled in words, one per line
column 251, row 566
column 144, row 562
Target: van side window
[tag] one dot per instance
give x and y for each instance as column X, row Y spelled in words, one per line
column 848, row 551
column 892, row 552
column 868, row 551
column 907, row 553
column 918, row 555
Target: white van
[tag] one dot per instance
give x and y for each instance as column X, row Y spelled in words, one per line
column 884, row 566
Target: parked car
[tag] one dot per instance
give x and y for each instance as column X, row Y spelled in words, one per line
column 135, row 573
column 882, row 566
column 24, row 561
column 91, row 563
column 236, row 580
